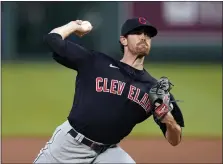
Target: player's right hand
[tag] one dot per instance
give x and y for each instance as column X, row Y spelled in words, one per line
column 82, row 27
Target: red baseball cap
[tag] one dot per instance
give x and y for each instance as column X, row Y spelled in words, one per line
column 138, row 23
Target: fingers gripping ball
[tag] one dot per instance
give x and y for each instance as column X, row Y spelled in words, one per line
column 83, row 27
column 86, row 25
column 160, row 98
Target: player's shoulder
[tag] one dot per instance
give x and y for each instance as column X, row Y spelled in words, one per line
column 150, row 77
column 103, row 57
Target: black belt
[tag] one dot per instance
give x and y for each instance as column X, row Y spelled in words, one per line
column 99, row 148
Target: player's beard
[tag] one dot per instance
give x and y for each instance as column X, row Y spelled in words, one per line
column 142, row 49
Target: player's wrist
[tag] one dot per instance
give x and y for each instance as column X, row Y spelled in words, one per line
column 168, row 119
column 65, row 30
column 171, row 124
column 73, row 26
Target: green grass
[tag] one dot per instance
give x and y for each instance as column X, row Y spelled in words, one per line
column 37, row 97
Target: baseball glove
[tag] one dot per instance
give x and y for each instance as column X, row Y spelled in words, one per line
column 160, row 98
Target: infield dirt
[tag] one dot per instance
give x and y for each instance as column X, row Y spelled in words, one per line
column 24, row 150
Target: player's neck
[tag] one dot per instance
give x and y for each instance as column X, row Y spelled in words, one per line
column 133, row 60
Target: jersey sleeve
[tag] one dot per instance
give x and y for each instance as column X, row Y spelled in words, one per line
column 177, row 114
column 68, row 54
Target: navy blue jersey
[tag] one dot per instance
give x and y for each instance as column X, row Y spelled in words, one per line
column 111, row 97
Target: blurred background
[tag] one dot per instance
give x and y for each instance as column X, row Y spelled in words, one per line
column 37, row 92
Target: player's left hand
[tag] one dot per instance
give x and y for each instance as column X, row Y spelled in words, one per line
column 160, row 98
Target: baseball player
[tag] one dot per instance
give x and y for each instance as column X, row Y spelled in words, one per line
column 111, row 96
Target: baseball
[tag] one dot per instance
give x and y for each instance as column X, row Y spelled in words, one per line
column 86, row 25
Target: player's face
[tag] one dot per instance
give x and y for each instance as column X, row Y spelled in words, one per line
column 139, row 42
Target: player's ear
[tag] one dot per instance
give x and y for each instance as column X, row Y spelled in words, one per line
column 123, row 40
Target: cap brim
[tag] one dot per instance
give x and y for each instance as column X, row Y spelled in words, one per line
column 150, row 30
